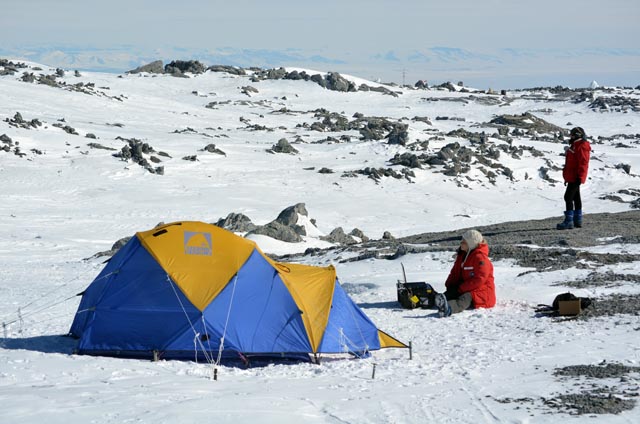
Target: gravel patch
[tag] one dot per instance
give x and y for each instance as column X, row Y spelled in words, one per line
column 603, row 280
column 595, row 397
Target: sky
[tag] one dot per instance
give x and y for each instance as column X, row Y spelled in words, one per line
column 500, row 42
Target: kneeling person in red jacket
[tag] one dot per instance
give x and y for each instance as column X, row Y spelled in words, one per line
column 470, row 282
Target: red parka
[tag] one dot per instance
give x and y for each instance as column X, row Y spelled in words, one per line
column 576, row 162
column 474, row 273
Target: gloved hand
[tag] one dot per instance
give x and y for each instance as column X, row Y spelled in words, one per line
column 565, row 183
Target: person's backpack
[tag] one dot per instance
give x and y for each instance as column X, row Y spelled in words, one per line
column 415, row 295
column 559, row 305
column 584, row 301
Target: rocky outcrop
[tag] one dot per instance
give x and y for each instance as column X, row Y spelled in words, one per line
column 155, row 67
column 135, row 150
column 285, row 227
column 528, row 122
column 181, row 67
column 228, row 69
column 236, row 222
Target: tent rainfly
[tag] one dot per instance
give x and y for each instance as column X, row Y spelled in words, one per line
column 191, row 289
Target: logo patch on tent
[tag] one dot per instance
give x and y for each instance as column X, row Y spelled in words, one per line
column 196, row 243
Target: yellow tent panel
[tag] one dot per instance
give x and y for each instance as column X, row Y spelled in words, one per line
column 200, row 258
column 312, row 289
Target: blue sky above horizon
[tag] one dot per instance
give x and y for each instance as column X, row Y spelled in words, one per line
column 493, row 43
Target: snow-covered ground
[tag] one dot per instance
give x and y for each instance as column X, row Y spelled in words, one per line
column 66, row 201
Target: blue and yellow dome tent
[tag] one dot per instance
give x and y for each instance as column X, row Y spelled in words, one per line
column 193, row 288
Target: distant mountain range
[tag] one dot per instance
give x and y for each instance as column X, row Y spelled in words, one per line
column 512, row 68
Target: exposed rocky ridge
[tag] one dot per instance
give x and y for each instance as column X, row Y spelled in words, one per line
column 52, row 80
column 534, row 244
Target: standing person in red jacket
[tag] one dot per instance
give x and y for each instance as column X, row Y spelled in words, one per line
column 576, row 165
column 470, row 282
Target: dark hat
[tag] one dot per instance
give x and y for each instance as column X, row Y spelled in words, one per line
column 577, row 133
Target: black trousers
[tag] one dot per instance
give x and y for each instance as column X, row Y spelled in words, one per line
column 572, row 198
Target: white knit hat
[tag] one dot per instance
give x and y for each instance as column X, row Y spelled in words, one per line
column 473, row 238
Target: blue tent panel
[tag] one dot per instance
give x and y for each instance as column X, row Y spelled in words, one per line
column 349, row 329
column 262, row 315
column 95, row 290
column 138, row 308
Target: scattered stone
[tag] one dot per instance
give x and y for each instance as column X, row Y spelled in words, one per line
column 248, row 90
column 211, row 148
column 18, row 122
column 283, row 146
column 99, row 146
column 387, row 236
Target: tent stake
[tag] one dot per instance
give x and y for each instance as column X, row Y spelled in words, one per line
column 410, row 350
column 373, row 373
column 4, row 329
column 156, row 357
column 215, row 374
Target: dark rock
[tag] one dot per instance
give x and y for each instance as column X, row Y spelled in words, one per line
column 211, row 148
column 337, row 236
column 289, row 216
column 180, row 67
column 336, row 82
column 406, row 159
column 228, row 69
column 399, row 135
column 236, row 222
column 625, row 167
column 99, row 146
column 278, row 231
column 387, row 236
column 359, row 234
column 248, row 90
column 283, row 146
column 155, row 67
column 528, row 122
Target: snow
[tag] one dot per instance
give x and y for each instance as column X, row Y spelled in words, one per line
column 60, row 208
